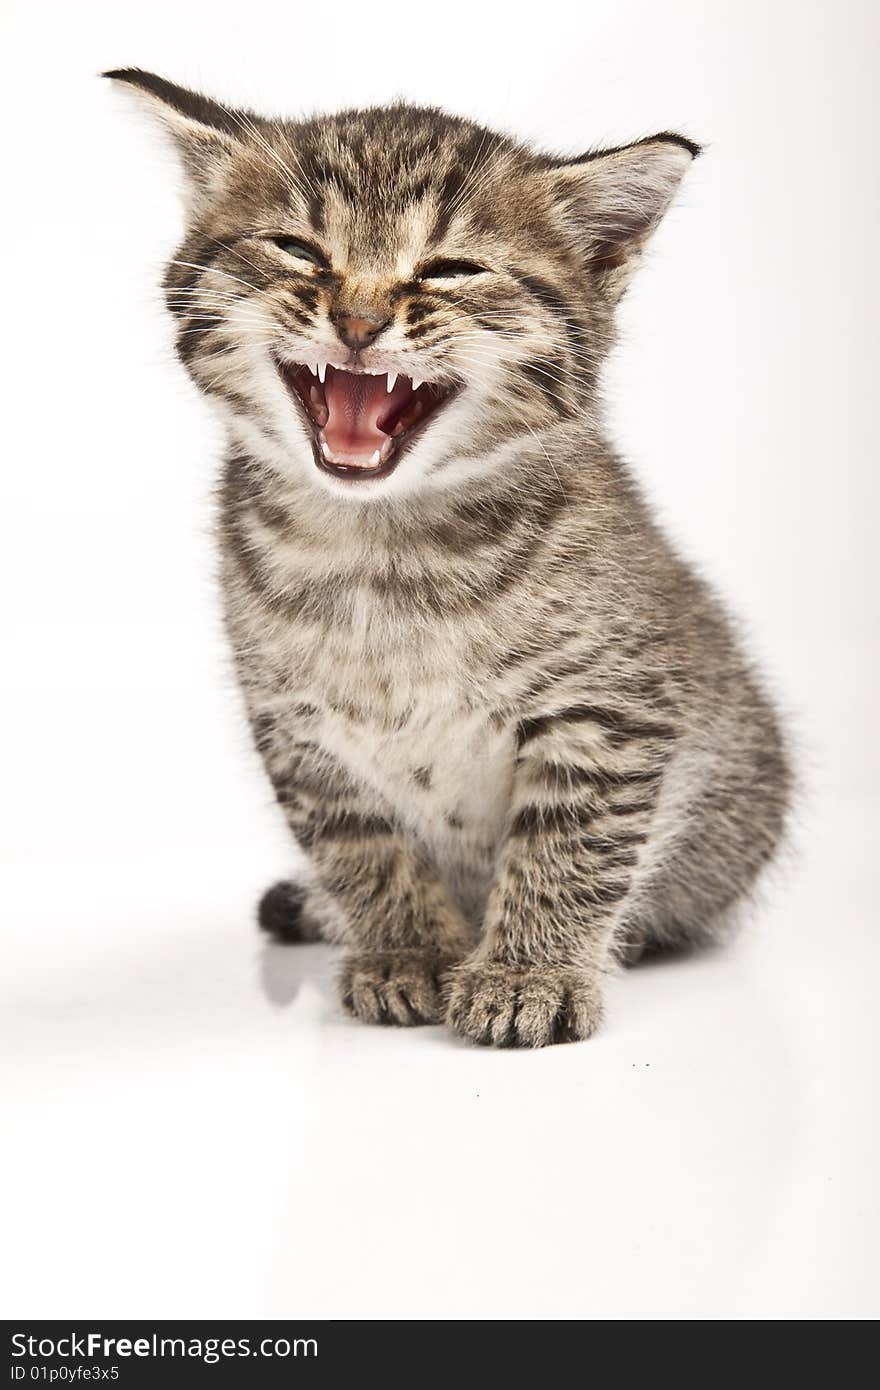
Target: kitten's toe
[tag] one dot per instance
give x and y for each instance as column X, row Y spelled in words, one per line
column 283, row 913
column 400, row 987
column 507, row 1006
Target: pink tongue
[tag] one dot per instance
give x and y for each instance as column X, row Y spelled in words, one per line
column 354, row 403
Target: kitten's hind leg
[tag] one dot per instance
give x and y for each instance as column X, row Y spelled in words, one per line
column 631, row 947
column 645, row 940
column 292, row 912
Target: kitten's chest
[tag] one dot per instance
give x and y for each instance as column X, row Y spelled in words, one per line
column 414, row 722
column 446, row 770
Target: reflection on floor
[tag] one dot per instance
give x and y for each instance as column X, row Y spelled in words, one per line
column 203, row 1133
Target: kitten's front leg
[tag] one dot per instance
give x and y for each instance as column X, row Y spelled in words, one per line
column 402, row 931
column 585, row 790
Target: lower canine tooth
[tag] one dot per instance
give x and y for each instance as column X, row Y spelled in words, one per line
column 377, row 458
column 325, row 450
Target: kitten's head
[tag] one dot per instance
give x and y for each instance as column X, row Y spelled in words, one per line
column 382, row 300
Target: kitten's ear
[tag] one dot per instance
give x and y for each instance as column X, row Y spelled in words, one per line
column 205, row 133
column 612, row 200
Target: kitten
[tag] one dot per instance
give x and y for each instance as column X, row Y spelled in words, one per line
column 511, row 729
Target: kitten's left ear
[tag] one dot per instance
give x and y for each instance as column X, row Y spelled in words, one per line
column 206, row 133
column 613, row 200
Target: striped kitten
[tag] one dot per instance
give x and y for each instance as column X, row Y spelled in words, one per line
column 511, row 729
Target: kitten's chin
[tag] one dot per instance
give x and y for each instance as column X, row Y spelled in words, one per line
column 360, row 423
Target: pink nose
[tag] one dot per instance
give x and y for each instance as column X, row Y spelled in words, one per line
column 356, row 332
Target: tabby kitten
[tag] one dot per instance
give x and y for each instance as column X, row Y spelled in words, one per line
column 511, row 729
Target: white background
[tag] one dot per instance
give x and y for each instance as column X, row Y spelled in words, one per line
column 193, row 1127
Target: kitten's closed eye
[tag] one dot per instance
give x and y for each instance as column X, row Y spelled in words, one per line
column 449, row 270
column 302, row 250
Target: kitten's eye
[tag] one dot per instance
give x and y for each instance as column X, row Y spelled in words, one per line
column 449, row 270
column 301, row 249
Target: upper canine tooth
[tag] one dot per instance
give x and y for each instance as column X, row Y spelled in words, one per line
column 392, row 378
column 416, row 384
column 322, row 371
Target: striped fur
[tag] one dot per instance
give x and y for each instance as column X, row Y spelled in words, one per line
column 512, row 731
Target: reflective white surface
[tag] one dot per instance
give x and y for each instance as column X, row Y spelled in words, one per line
column 194, row 1129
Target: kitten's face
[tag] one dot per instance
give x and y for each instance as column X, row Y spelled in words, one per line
column 381, row 301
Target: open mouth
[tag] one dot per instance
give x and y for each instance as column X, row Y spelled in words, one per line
column 360, row 422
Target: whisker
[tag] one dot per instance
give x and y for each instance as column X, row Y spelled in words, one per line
column 244, row 332
column 240, row 255
column 567, row 378
column 588, row 358
column 213, row 269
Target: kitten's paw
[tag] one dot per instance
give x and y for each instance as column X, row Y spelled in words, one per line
column 402, row 987
column 510, row 1006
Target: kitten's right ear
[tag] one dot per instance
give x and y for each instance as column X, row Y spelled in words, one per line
column 206, row 133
